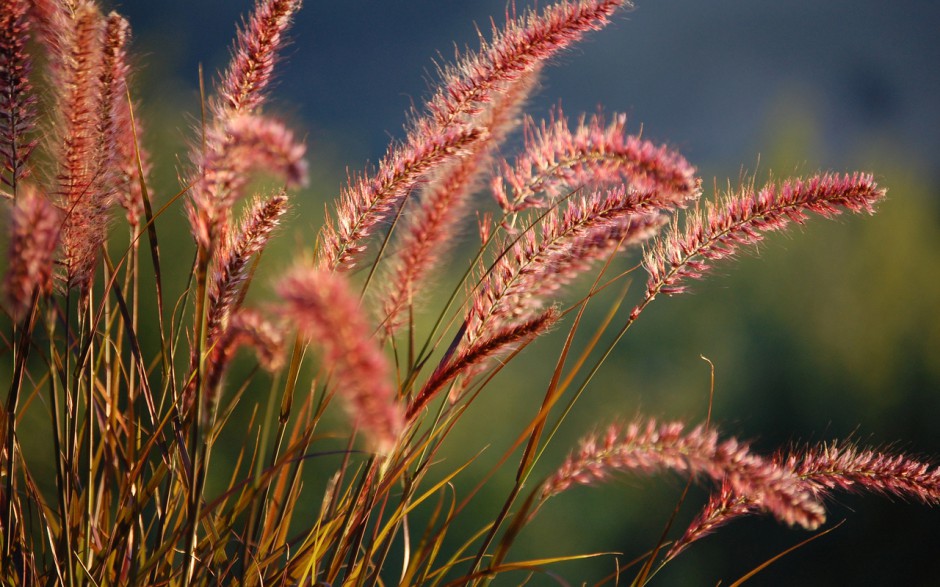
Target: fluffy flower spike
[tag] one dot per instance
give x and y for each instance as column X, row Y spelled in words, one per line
column 34, row 235
column 327, row 312
column 557, row 158
column 648, row 446
column 741, row 219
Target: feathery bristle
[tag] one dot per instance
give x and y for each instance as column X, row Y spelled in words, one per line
column 324, row 308
column 557, row 158
column 17, row 100
column 34, row 235
column 648, row 446
column 246, row 143
column 740, row 219
column 234, row 254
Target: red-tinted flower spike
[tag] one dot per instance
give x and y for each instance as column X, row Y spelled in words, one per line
column 429, row 235
column 127, row 150
column 722, row 507
column 568, row 241
column 17, row 100
column 84, row 149
column 593, row 154
column 246, row 328
column 518, row 50
column 246, row 143
column 469, row 360
column 34, row 235
column 326, row 310
column 239, row 139
column 520, row 47
column 241, row 90
column 233, row 256
column 647, row 446
column 369, row 200
column 740, row 219
column 822, row 470
column 843, row 466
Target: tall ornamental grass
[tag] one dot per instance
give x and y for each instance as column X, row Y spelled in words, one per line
column 133, row 398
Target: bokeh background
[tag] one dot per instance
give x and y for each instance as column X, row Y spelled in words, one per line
column 834, row 331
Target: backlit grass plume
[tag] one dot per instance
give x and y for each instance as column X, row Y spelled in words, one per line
column 192, row 437
column 649, row 446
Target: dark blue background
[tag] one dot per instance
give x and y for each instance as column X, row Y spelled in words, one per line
column 702, row 75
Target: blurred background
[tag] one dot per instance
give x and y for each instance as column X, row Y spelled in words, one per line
column 833, row 332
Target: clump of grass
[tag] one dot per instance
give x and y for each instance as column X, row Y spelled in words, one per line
column 132, row 427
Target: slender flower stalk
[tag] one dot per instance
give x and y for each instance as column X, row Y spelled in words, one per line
column 242, row 88
column 246, row 143
column 230, row 269
column 17, row 100
column 516, row 51
column 568, row 242
column 822, row 470
column 593, row 154
column 430, row 233
column 740, row 219
column 236, row 140
column 650, row 446
column 34, row 235
column 470, row 359
column 327, row 312
column 367, row 201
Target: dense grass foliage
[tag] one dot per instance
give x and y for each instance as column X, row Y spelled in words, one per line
column 136, row 388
